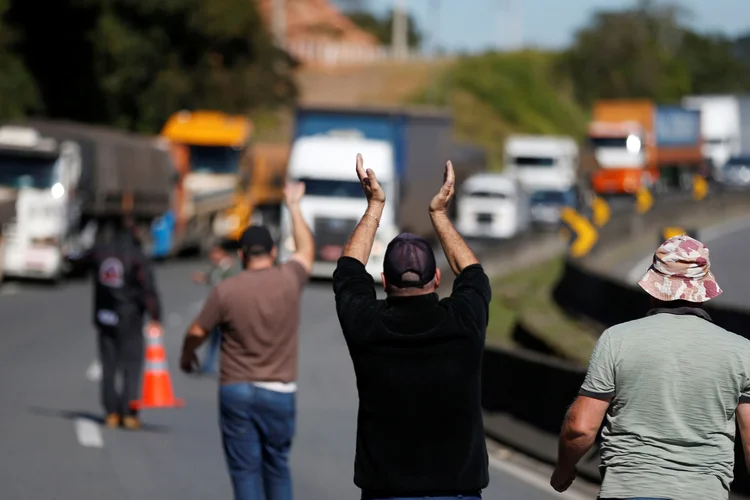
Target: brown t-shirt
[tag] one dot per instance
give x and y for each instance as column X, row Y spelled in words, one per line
column 258, row 312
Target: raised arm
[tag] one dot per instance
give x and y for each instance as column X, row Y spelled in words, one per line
column 456, row 250
column 304, row 243
column 743, row 422
column 360, row 242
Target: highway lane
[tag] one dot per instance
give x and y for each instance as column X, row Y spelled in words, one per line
column 729, row 263
column 48, row 406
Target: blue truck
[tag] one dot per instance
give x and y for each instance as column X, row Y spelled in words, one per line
column 422, row 142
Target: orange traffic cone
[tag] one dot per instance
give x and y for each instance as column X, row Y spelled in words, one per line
column 157, row 384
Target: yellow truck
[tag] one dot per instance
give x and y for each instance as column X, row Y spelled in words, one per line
column 261, row 192
column 208, row 149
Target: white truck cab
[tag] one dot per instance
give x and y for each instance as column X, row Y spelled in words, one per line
column 539, row 161
column 492, row 206
column 720, row 128
column 42, row 172
column 334, row 202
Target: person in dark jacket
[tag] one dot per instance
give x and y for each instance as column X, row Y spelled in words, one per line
column 124, row 290
column 417, row 358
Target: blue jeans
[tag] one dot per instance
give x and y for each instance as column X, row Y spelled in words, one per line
column 212, row 351
column 432, row 498
column 257, row 426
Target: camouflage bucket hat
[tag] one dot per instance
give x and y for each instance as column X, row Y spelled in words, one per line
column 681, row 271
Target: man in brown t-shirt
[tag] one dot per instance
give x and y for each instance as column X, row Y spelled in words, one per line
column 258, row 312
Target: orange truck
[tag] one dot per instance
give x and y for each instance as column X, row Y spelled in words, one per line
column 208, row 149
column 637, row 143
column 261, row 195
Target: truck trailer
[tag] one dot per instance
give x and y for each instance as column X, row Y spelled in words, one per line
column 725, row 126
column 68, row 177
column 638, row 143
column 406, row 148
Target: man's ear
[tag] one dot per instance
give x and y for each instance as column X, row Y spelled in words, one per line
column 382, row 277
column 437, row 278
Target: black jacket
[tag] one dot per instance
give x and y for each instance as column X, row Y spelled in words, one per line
column 418, row 364
column 124, row 287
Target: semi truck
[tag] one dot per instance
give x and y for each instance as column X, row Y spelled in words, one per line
column 65, row 178
column 725, row 126
column 542, row 162
column 635, row 143
column 406, row 148
column 261, row 194
column 207, row 149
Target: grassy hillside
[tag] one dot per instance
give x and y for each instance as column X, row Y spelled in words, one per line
column 371, row 84
column 495, row 94
column 492, row 95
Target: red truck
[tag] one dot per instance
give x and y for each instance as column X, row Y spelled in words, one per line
column 638, row 143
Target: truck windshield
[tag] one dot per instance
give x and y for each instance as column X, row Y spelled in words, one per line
column 488, row 194
column 609, row 142
column 738, row 162
column 533, row 161
column 19, row 171
column 552, row 197
column 214, row 159
column 332, row 188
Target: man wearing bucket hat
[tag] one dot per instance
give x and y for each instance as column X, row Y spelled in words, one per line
column 670, row 385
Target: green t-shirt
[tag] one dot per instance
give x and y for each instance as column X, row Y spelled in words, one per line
column 219, row 273
column 676, row 381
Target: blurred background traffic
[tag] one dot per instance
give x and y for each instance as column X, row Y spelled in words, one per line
column 195, row 114
column 190, row 115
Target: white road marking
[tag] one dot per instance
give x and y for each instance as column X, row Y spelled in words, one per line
column 535, row 480
column 88, row 433
column 94, row 371
column 706, row 235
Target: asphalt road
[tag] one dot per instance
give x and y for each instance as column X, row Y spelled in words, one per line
column 729, row 263
column 54, row 446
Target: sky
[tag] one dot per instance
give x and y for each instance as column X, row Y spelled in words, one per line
column 475, row 25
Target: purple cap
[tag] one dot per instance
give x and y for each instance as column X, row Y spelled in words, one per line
column 408, row 253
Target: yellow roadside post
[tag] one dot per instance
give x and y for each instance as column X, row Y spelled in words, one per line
column 700, row 187
column 601, row 212
column 644, row 200
column 586, row 235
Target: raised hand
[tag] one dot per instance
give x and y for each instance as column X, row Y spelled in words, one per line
column 440, row 201
column 370, row 184
column 293, row 193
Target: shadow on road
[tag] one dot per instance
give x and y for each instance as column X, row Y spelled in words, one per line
column 93, row 417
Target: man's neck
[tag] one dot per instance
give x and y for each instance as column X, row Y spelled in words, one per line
column 259, row 263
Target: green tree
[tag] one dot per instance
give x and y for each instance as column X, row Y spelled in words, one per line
column 628, row 54
column 713, row 64
column 380, row 27
column 18, row 92
column 132, row 63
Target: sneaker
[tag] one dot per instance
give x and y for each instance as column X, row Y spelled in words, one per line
column 112, row 421
column 131, row 422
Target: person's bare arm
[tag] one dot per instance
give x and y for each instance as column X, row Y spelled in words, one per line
column 457, row 252
column 360, row 242
column 304, row 243
column 743, row 422
column 582, row 423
